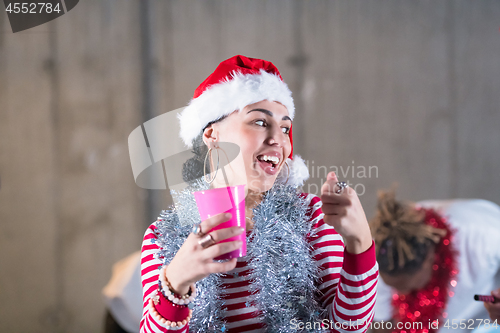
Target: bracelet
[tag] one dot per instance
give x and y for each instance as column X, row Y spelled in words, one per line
column 164, row 321
column 170, row 295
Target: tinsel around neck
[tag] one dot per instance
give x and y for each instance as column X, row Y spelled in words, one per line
column 282, row 271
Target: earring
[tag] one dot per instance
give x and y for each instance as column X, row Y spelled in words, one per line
column 209, row 152
column 288, row 173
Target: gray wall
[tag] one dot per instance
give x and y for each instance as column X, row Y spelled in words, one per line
column 410, row 88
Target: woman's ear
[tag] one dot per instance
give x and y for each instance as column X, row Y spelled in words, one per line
column 210, row 135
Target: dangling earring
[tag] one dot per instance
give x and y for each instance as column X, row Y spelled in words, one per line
column 288, row 173
column 209, row 152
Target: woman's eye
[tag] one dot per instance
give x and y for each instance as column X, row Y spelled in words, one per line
column 263, row 123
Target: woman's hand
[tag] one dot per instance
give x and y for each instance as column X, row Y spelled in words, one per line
column 192, row 262
column 494, row 308
column 344, row 212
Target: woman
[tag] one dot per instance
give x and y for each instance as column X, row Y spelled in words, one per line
column 308, row 258
column 434, row 256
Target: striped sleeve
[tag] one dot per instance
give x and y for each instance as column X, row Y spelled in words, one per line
column 149, row 278
column 348, row 282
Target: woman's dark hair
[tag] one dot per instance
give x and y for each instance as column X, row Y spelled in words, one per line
column 402, row 239
column 387, row 255
column 192, row 169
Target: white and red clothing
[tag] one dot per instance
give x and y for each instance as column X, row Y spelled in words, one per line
column 477, row 226
column 348, row 281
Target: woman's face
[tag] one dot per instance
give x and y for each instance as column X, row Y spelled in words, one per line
column 406, row 283
column 261, row 130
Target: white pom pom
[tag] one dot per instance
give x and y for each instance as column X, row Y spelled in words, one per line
column 299, row 172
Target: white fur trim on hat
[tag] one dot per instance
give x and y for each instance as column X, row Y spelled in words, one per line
column 299, row 172
column 230, row 95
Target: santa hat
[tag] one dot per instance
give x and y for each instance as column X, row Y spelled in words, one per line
column 237, row 82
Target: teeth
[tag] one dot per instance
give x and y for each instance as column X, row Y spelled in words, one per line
column 272, row 159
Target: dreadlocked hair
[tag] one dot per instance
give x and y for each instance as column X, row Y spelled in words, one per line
column 402, row 239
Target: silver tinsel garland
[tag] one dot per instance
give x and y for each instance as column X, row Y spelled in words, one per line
column 283, row 273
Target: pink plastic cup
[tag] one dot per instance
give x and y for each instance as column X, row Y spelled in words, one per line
column 229, row 199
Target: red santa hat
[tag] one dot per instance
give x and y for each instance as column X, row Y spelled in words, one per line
column 237, row 82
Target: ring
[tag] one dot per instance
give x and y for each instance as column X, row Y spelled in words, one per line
column 206, row 241
column 342, row 186
column 197, row 230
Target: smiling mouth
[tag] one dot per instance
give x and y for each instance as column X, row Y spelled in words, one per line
column 271, row 160
column 268, row 163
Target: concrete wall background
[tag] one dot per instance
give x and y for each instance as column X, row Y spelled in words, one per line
column 410, row 87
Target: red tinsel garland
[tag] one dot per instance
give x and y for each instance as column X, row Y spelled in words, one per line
column 427, row 306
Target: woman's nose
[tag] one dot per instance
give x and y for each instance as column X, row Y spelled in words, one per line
column 275, row 138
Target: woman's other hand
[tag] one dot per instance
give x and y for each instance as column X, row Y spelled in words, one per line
column 193, row 262
column 344, row 212
column 494, row 308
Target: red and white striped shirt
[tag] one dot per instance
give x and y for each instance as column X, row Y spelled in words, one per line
column 348, row 283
